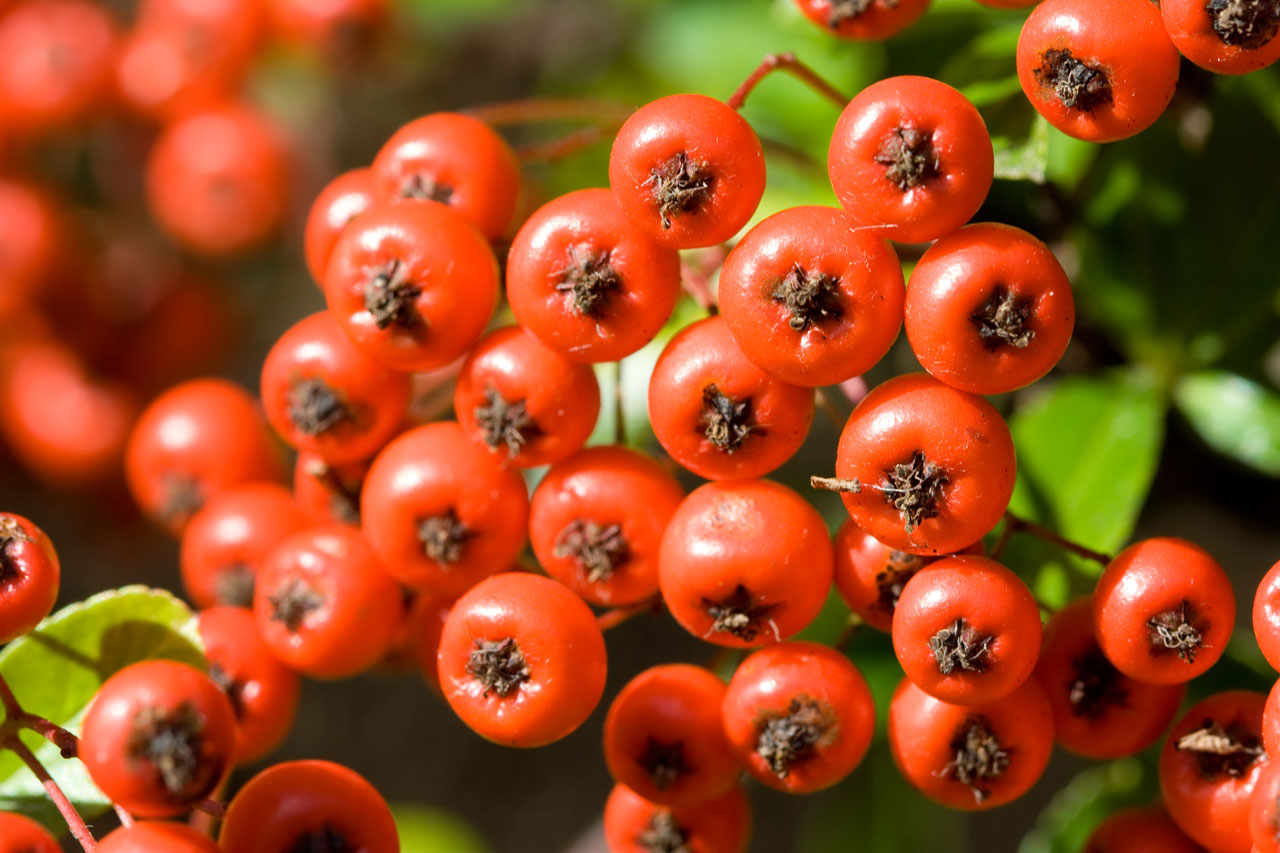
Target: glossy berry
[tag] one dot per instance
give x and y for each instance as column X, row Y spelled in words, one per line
column 157, row 838
column 1098, row 72
column 1140, row 830
column 227, row 539
column 523, row 402
column 158, row 737
column 688, row 170
column 342, row 200
column 325, row 493
column 971, row 757
column 809, row 299
column 457, row 161
column 412, row 285
column 426, row 619
column 1098, row 711
column 967, row 630
column 863, row 20
column 193, row 441
column 1225, row 36
column 19, row 834
column 1266, row 615
column 521, row 660
column 1264, row 809
column 923, row 467
column 308, row 805
column 30, row 576
column 1163, row 611
column 443, row 512
column 719, row 415
column 325, row 604
column 586, row 282
column 262, row 690
column 910, row 159
column 799, row 715
column 989, row 309
column 632, row 824
column 596, row 522
column 1271, row 721
column 1210, row 765
column 663, row 737
column 324, row 395
column 745, row 563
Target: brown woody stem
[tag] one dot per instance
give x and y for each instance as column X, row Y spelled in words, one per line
column 1019, row 524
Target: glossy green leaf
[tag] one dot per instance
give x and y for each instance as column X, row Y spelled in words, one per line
column 1068, row 820
column 1025, row 159
column 1235, row 416
column 427, row 830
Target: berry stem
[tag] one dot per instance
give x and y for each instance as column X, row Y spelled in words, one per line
column 615, row 617
column 12, row 710
column 551, row 150
column 696, row 273
column 1019, row 524
column 67, row 743
column 74, row 821
column 786, row 62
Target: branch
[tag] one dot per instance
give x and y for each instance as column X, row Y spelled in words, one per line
column 74, row 822
column 786, row 62
column 1020, row 524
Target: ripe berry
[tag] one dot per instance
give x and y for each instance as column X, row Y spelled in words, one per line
column 441, row 512
column 1264, row 809
column 328, row 494
column 342, row 200
column 1225, row 36
column 1140, row 830
column 718, row 414
column 663, row 737
column 324, row 395
column 308, row 805
column 989, row 309
column 799, row 715
column 521, row 659
column 29, row 576
column 596, row 522
column 809, row 299
column 324, row 604
column 34, row 237
column 586, row 282
column 157, row 737
column 524, row 402
column 863, row 20
column 412, row 285
column 1266, row 616
column 426, row 619
column 1098, row 711
column 1271, row 721
column 157, row 838
column 923, row 467
column 632, row 824
column 911, row 159
column 1209, row 766
column 455, row 160
column 745, row 563
column 19, row 834
column 340, row 30
column 688, row 170
column 1163, row 611
column 1097, row 71
column 971, row 757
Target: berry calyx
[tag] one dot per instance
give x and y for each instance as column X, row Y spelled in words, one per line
column 599, row 549
column 1244, row 23
column 1078, row 84
column 809, row 298
column 739, row 613
column 443, row 537
column 958, row 645
column 727, row 422
column 1221, row 751
column 979, row 758
column 1003, row 320
column 315, row 408
column 498, row 665
column 504, row 423
column 786, row 739
column 914, row 488
column 1176, row 630
column 680, row 185
column 390, row 294
column 590, row 280
column 908, row 157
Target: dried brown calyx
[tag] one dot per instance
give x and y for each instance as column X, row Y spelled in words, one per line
column 1177, row 631
column 846, row 10
column 598, row 548
column 426, row 188
column 1004, row 320
column 680, row 185
column 665, row 763
column 900, row 567
column 1078, row 84
column 443, row 537
column 908, row 157
column 390, row 294
column 10, row 534
column 738, row 613
column 810, row 298
column 499, row 665
column 182, row 496
column 326, row 839
column 172, row 741
column 785, row 739
column 589, row 280
column 979, row 759
column 503, row 422
column 1096, row 686
column 315, row 408
column 915, row 488
column 663, row 835
column 1222, row 750
column 726, row 422
column 293, row 602
column 1245, row 23
column 958, row 646
column 234, row 585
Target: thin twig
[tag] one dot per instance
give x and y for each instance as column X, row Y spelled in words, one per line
column 12, row 710
column 74, row 822
column 786, row 62
column 1017, row 523
column 551, row 150
column 619, row 407
column 67, row 743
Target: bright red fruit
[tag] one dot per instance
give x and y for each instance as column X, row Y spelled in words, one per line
column 325, row 493
column 1266, row 616
column 1224, row 36
column 19, row 834
column 1140, row 830
column 343, row 199
column 34, row 237
column 29, row 576
column 157, row 838
column 863, row 20
column 1264, row 809
column 632, row 824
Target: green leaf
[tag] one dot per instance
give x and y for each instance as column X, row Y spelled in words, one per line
column 55, row 671
column 427, row 830
column 1235, row 416
column 1072, row 815
column 1025, row 159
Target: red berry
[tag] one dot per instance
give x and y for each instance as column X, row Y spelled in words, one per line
column 1140, row 830
column 34, row 238
column 1266, row 616
column 863, row 20
column 340, row 30
column 157, row 838
column 632, row 824
column 1224, row 36
column 328, row 494
column 342, row 200
column 1271, row 721
column 20, row 834
column 1264, row 809
column 29, row 576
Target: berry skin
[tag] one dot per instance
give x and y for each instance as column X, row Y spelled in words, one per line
column 218, row 180
column 1266, row 616
column 663, row 737
column 586, row 282
column 688, row 170
column 262, row 690
column 324, row 395
column 34, row 237
column 308, row 805
column 426, row 619
column 1100, row 72
column 911, row 159
column 328, row 494
column 324, row 604
column 441, row 512
column 1163, row 611
column 1098, row 712
column 455, row 160
column 596, row 522
column 190, row 443
column 1140, row 830
column 799, row 715
column 412, row 285
column 745, row 563
column 1271, row 721
column 158, row 737
column 632, row 824
column 1210, row 765
column 934, row 466
column 342, row 200
column 719, row 415
column 341, row 31
column 967, row 630
column 29, row 576
column 1264, row 809
column 971, row 757
column 1225, row 36
column 521, row 660
column 157, row 838
column 227, row 539
column 989, row 309
column 524, row 402
column 863, row 20
column 809, row 299
column 19, row 834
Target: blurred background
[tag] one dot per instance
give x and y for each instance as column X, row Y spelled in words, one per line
column 1164, row 417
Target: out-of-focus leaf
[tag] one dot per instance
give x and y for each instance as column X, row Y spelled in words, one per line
column 1091, row 796
column 1237, row 417
column 1024, row 159
column 426, row 830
